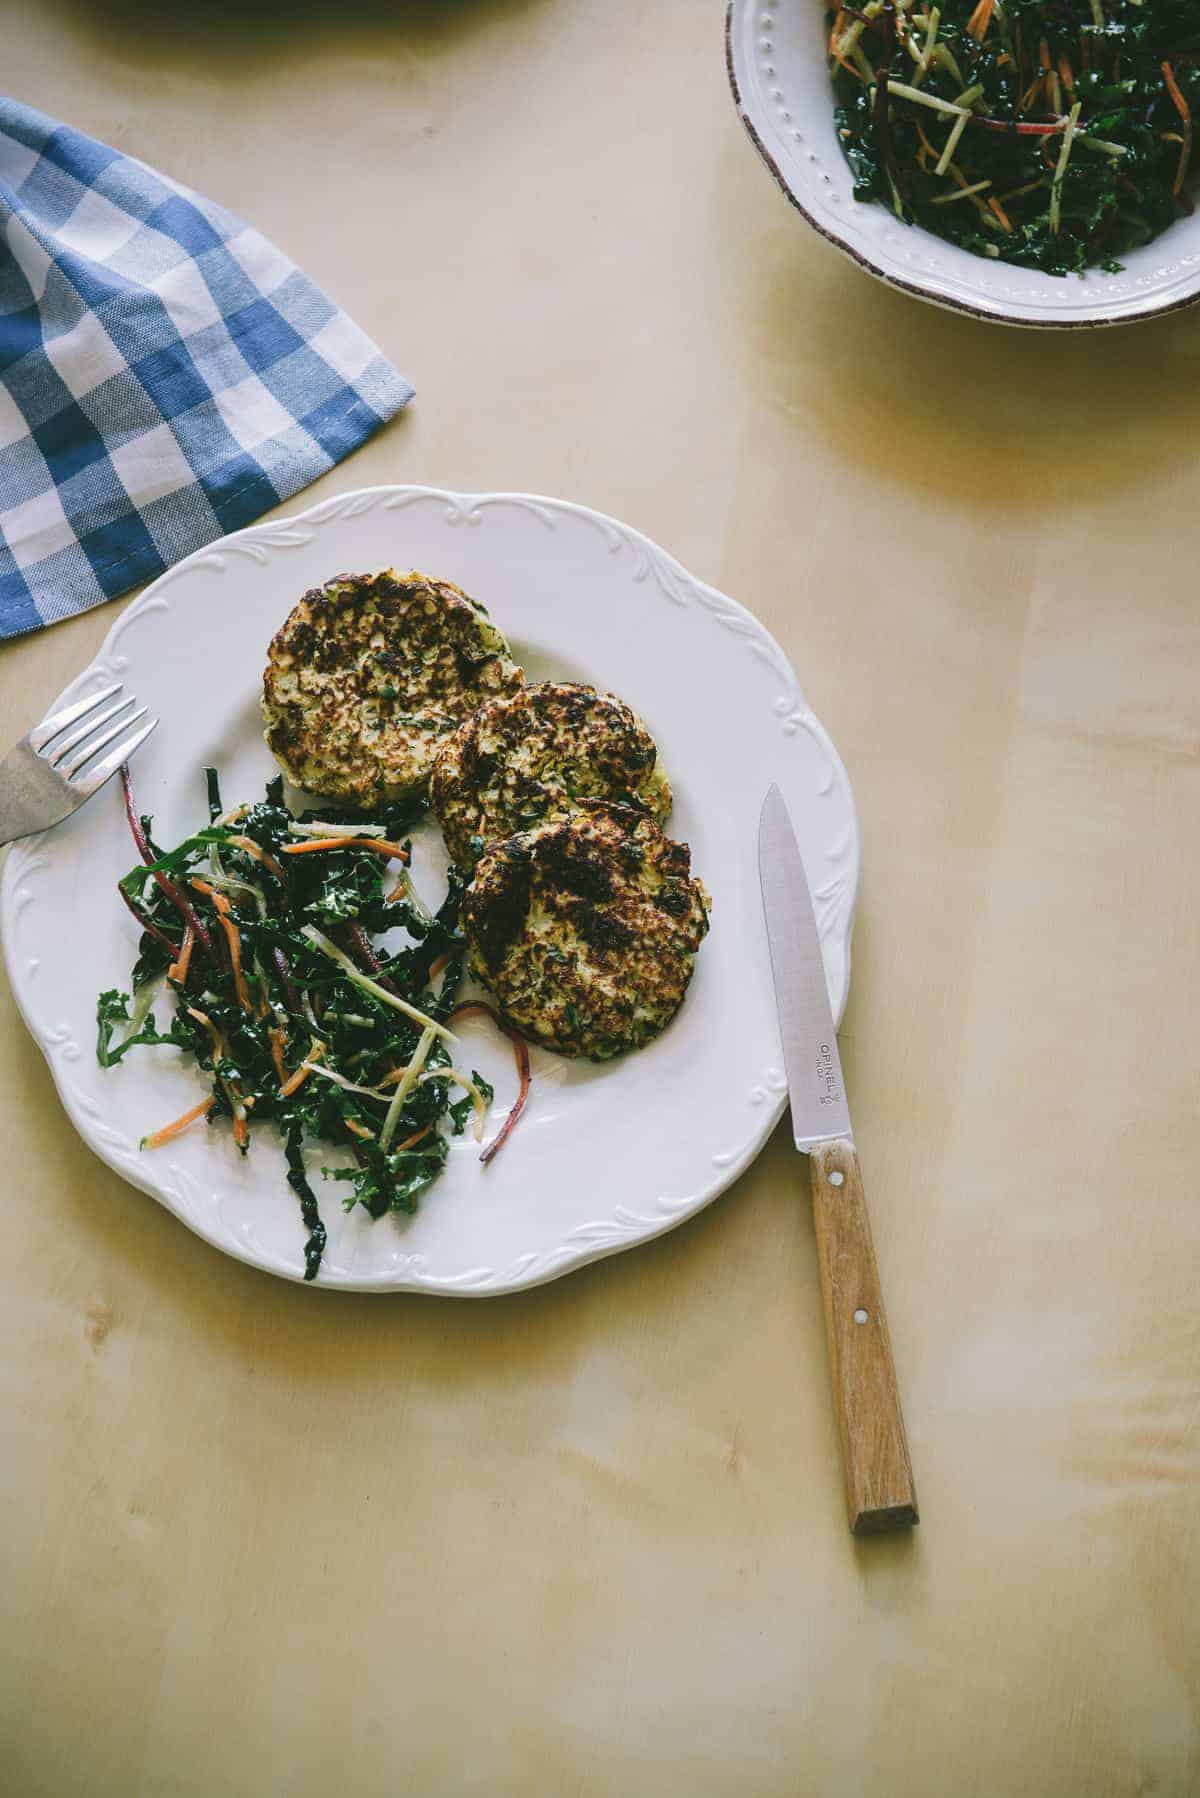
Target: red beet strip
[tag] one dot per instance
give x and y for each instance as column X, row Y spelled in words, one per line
column 360, row 943
column 148, row 925
column 186, row 911
column 1022, row 127
column 291, row 996
column 521, row 1056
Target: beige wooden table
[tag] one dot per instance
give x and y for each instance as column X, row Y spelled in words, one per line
column 263, row 1540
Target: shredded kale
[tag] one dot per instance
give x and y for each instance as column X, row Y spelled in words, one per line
column 112, row 1010
column 1063, row 129
column 238, row 876
column 314, row 1248
column 391, row 1182
column 461, row 1111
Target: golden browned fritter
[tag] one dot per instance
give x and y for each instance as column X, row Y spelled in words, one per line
column 586, row 928
column 367, row 677
column 533, row 755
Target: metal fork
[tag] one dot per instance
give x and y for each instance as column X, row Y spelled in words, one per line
column 50, row 773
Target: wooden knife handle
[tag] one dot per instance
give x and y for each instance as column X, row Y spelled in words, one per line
column 880, row 1494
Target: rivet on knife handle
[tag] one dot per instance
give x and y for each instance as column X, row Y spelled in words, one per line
column 880, row 1494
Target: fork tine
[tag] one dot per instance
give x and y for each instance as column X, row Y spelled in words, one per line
column 105, row 769
column 43, row 733
column 93, row 746
column 62, row 746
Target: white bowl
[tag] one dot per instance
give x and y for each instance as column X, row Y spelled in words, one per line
column 780, row 78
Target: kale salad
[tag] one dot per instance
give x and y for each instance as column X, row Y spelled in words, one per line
column 273, row 934
column 1055, row 134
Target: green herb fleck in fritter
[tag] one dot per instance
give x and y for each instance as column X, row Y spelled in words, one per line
column 369, row 674
column 586, row 929
column 533, row 755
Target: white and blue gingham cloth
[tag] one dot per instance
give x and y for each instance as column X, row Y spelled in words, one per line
column 166, row 375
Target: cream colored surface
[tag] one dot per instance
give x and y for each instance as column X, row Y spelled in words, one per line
column 591, row 1540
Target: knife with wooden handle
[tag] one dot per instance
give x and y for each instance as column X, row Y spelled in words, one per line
column 880, row 1494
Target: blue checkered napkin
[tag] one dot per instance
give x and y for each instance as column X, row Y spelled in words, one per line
column 166, row 375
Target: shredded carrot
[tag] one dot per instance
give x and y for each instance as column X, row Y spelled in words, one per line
column 251, row 848
column 232, row 937
column 357, row 1129
column 302, row 1072
column 393, row 851
column 436, row 967
column 836, row 49
column 1185, row 112
column 178, row 899
column 410, row 1140
column 980, row 19
column 995, row 206
column 393, row 1075
column 235, row 954
column 220, row 1046
column 277, row 1039
column 976, row 200
column 849, row 68
column 178, row 969
column 1066, row 75
column 241, row 1133
column 177, row 1125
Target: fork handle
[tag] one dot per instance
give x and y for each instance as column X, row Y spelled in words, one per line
column 880, row 1494
column 32, row 795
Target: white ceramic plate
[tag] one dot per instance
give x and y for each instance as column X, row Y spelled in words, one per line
column 780, row 79
column 606, row 1156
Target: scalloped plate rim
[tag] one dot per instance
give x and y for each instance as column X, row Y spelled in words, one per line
column 967, row 295
column 553, row 1265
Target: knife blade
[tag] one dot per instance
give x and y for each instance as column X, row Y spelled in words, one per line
column 880, row 1494
column 810, row 1048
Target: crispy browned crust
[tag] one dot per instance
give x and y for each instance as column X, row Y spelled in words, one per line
column 367, row 677
column 586, row 929
column 532, row 755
